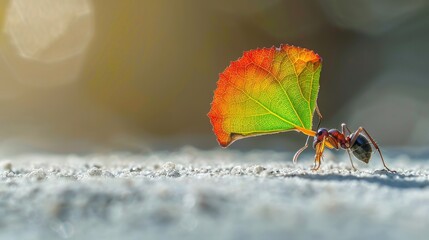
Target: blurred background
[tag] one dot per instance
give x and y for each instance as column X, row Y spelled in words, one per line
column 91, row 76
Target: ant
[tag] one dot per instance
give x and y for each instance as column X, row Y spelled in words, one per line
column 357, row 142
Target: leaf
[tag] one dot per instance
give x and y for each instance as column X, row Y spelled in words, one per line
column 266, row 91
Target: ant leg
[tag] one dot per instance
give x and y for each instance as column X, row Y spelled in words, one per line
column 319, row 153
column 351, row 161
column 295, row 157
column 344, row 127
column 356, row 134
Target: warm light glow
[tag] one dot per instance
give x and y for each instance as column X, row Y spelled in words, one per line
column 46, row 40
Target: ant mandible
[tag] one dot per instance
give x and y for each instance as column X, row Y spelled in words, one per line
column 356, row 142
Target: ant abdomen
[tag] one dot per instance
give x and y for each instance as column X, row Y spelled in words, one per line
column 361, row 148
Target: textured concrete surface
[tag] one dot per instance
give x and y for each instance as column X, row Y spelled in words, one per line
column 220, row 194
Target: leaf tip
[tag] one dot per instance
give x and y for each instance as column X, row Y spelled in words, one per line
column 223, row 138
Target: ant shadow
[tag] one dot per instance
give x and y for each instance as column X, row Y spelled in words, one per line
column 380, row 177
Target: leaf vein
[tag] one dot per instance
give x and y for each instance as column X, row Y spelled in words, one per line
column 262, row 105
column 283, row 89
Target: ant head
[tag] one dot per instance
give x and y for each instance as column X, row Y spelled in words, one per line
column 322, row 132
column 320, row 135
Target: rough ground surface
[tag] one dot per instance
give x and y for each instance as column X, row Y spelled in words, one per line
column 218, row 194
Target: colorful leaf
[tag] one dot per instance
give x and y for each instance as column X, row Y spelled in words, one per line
column 267, row 90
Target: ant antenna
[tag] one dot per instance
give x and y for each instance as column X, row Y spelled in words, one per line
column 295, row 157
column 320, row 117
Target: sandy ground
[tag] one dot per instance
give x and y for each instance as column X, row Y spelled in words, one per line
column 220, row 194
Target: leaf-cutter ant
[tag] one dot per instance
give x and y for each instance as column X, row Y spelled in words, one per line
column 358, row 143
